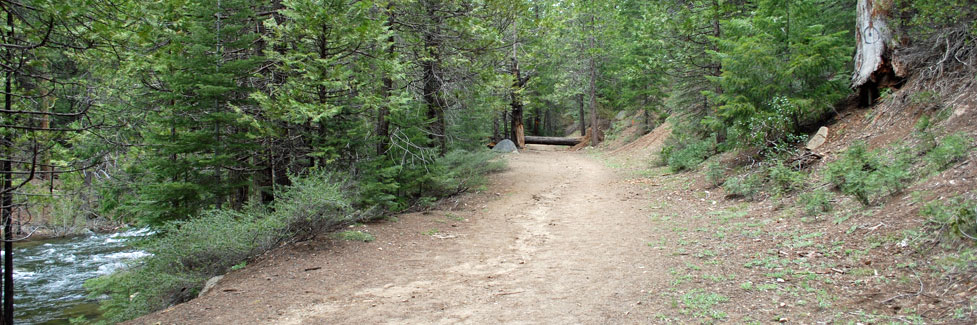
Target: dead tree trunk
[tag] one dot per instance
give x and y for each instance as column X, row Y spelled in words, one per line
column 874, row 50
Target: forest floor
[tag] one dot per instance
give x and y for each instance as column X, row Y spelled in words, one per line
column 578, row 237
column 557, row 238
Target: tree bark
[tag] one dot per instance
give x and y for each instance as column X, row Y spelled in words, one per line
column 874, row 48
column 594, row 138
column 6, row 196
column 583, row 116
column 559, row 141
column 518, row 129
column 383, row 125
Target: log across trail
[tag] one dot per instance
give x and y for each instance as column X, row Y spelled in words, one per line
column 558, row 238
column 558, row 141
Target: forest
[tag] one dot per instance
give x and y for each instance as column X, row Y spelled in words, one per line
column 232, row 127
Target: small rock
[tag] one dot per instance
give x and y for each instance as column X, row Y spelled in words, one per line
column 210, row 285
column 818, row 139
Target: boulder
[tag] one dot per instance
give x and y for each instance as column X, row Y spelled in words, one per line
column 210, row 285
column 818, row 139
column 505, row 146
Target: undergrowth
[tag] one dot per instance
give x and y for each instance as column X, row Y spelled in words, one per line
column 187, row 253
column 953, row 218
column 687, row 153
column 184, row 254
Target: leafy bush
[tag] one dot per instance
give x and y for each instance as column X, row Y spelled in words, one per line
column 816, row 202
column 186, row 253
column 747, row 186
column 867, row 176
column 954, row 218
column 951, row 149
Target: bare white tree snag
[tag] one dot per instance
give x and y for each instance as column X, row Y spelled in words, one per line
column 873, row 55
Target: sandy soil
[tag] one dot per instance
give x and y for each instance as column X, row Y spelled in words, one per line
column 558, row 238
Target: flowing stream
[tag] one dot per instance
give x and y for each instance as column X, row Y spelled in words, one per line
column 49, row 275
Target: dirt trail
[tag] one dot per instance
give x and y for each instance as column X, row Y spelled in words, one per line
column 559, row 238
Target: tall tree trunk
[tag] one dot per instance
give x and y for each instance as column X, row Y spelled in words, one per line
column 518, row 130
column 717, row 70
column 218, row 169
column 383, row 125
column 505, row 124
column 431, row 68
column 873, row 50
column 594, row 135
column 7, row 195
column 583, row 116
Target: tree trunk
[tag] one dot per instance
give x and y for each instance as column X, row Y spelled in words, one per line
column 431, row 68
column 518, row 130
column 495, row 130
column 874, row 49
column 558, row 141
column 7, row 193
column 717, row 71
column 583, row 116
column 594, row 137
column 505, row 124
column 383, row 125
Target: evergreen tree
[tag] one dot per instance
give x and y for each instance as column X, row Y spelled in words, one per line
column 200, row 135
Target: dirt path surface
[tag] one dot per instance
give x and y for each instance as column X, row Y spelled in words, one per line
column 558, row 238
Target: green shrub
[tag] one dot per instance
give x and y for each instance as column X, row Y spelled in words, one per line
column 687, row 155
column 396, row 187
column 953, row 218
column 867, row 175
column 187, row 253
column 747, row 186
column 816, row 202
column 354, row 235
column 715, row 174
column 951, row 149
column 461, row 170
column 786, row 179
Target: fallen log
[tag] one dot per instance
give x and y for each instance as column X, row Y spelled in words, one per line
column 557, row 141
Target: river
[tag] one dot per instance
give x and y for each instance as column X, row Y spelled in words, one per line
column 49, row 275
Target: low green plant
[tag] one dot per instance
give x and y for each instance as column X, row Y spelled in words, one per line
column 868, row 175
column 715, row 174
column 951, row 149
column 953, row 218
column 458, row 171
column 184, row 254
column 687, row 154
column 355, row 235
column 816, row 202
column 699, row 303
column 786, row 179
column 747, row 186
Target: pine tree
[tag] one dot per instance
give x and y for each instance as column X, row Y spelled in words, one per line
column 200, row 136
